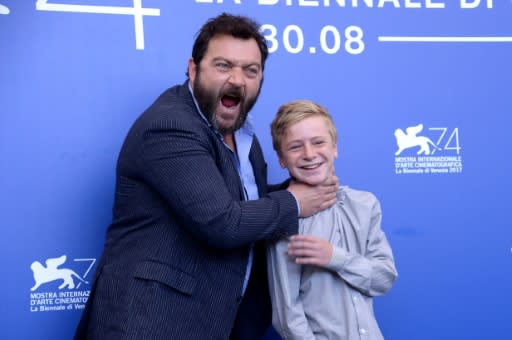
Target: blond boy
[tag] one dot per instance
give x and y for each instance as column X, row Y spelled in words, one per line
column 322, row 281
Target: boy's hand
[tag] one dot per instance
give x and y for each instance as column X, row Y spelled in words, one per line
column 308, row 249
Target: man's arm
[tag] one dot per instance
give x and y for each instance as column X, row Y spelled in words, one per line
column 198, row 185
column 312, row 199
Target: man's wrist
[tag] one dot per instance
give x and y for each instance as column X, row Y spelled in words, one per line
column 296, row 201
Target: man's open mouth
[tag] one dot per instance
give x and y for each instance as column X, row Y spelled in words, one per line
column 230, row 101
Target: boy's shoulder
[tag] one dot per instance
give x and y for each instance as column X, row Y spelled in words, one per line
column 355, row 196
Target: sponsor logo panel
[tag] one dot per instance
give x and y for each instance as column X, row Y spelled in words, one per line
column 431, row 150
column 60, row 285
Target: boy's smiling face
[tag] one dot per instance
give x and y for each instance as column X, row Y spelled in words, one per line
column 308, row 150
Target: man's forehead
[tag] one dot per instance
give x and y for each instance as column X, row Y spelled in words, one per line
column 235, row 50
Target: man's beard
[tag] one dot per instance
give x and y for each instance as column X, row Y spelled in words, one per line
column 208, row 100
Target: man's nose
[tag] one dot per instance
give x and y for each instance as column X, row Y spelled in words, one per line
column 237, row 77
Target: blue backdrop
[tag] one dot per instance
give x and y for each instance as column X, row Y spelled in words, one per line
column 419, row 89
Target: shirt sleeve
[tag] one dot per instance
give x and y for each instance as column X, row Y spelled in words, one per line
column 372, row 273
column 288, row 317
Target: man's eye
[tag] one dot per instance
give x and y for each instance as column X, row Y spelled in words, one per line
column 251, row 72
column 222, row 66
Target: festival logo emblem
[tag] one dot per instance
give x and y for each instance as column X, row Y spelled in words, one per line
column 51, row 273
column 435, row 150
column 410, row 139
column 57, row 284
column 4, row 9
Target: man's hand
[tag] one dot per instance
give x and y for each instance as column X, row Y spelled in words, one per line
column 308, row 249
column 313, row 199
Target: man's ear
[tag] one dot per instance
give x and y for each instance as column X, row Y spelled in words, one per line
column 335, row 151
column 192, row 70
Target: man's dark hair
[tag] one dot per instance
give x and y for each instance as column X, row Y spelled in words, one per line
column 227, row 24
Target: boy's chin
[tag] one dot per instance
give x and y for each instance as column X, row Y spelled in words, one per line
column 312, row 180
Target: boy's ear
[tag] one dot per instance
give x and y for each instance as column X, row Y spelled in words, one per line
column 281, row 162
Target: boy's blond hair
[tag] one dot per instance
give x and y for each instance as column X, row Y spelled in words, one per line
column 294, row 112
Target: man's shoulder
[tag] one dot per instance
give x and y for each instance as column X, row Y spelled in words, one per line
column 174, row 104
column 177, row 98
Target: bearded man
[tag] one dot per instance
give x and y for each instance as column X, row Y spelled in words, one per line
column 183, row 257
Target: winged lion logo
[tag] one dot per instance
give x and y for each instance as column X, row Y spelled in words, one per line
column 51, row 273
column 410, row 139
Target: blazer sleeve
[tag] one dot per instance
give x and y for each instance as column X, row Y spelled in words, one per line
column 195, row 178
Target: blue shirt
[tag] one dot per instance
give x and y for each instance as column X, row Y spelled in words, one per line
column 243, row 139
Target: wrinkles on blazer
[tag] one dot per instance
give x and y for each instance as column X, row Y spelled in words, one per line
column 182, row 159
column 177, row 249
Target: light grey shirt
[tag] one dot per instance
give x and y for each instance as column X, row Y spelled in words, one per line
column 335, row 303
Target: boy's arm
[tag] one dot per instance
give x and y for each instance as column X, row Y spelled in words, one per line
column 374, row 273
